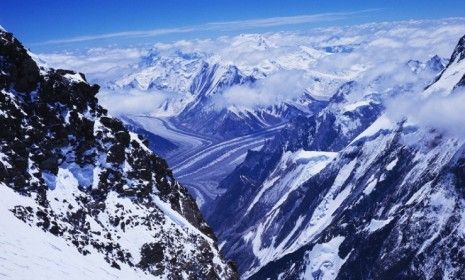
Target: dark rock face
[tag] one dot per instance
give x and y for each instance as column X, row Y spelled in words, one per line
column 459, row 51
column 17, row 66
column 90, row 180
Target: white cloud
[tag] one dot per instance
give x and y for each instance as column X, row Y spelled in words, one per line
column 98, row 64
column 132, row 101
column 283, row 86
column 443, row 113
column 378, row 52
column 281, row 21
column 217, row 26
column 125, row 34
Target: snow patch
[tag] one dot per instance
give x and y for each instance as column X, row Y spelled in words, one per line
column 378, row 224
column 323, row 261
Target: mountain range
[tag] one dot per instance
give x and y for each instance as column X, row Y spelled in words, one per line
column 336, row 154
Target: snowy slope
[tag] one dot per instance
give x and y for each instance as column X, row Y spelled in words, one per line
column 388, row 179
column 394, row 180
column 74, row 174
column 453, row 75
column 27, row 251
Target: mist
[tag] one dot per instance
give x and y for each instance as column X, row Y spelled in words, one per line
column 443, row 113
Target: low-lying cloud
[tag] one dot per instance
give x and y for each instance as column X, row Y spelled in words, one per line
column 279, row 87
column 99, row 64
column 293, row 62
column 443, row 113
column 132, row 101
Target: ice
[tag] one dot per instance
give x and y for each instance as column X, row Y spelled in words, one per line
column 50, row 179
column 378, row 224
column 323, row 261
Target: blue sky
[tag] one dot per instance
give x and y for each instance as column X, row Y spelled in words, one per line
column 56, row 25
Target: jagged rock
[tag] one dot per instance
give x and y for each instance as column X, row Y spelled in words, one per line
column 89, row 181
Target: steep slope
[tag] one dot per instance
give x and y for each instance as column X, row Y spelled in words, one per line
column 78, row 175
column 382, row 210
column 453, row 75
column 389, row 206
column 277, row 202
column 256, row 189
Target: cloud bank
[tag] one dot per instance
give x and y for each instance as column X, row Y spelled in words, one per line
column 319, row 60
column 283, row 86
column 443, row 113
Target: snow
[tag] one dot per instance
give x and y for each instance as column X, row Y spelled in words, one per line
column 75, row 78
column 354, row 106
column 4, row 160
column 294, row 168
column 292, row 171
column 392, row 164
column 177, row 219
column 170, row 70
column 449, row 78
column 320, row 219
column 27, row 251
column 323, row 261
column 371, row 185
column 65, row 187
column 382, row 123
column 95, row 177
column 378, row 224
column 297, row 167
column 441, row 207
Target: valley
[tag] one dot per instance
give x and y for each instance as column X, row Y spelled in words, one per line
column 201, row 162
column 332, row 153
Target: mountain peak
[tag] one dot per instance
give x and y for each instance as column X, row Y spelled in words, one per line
column 459, row 51
column 452, row 76
column 17, row 66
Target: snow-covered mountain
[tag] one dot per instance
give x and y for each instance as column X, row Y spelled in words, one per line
column 233, row 86
column 332, row 153
column 193, row 85
column 361, row 190
column 81, row 196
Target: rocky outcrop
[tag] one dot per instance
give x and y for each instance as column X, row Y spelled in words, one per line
column 92, row 182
